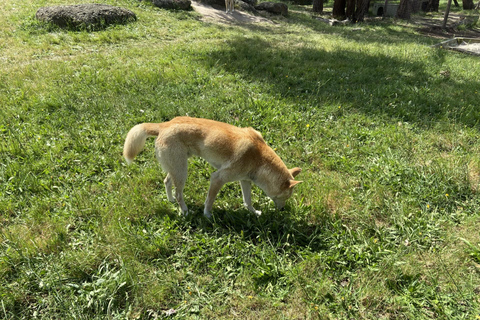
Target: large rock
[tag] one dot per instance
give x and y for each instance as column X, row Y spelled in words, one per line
column 246, row 5
column 173, row 4
column 90, row 16
column 250, row 2
column 273, row 7
column 217, row 4
column 303, row 2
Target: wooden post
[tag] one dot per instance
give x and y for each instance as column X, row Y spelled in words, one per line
column 447, row 11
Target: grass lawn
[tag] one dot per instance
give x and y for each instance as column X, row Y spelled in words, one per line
column 385, row 128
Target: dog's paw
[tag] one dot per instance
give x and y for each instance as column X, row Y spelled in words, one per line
column 258, row 213
column 207, row 214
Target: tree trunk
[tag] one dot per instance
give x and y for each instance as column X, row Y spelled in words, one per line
column 404, row 9
column 318, row 6
column 433, row 5
column 355, row 9
column 338, row 11
column 350, row 13
column 447, row 11
column 362, row 9
column 385, row 6
column 468, row 5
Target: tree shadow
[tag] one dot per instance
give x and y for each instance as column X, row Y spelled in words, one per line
column 372, row 31
column 374, row 84
column 424, row 28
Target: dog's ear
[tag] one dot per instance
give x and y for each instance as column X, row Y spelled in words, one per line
column 293, row 183
column 295, row 171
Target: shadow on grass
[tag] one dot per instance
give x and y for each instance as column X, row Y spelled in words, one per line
column 278, row 228
column 372, row 31
column 269, row 244
column 377, row 84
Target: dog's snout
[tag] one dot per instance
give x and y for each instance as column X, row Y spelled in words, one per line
column 280, row 205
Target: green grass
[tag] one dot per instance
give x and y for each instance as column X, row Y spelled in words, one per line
column 384, row 226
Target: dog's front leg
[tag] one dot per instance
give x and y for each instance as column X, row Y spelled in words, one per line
column 247, row 196
column 216, row 183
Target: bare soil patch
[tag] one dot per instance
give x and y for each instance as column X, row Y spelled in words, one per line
column 210, row 13
column 432, row 26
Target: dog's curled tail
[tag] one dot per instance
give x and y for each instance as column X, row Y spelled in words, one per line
column 135, row 140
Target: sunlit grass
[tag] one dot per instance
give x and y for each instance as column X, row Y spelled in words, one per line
column 384, row 225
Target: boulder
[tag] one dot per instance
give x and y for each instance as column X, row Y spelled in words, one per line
column 89, row 16
column 303, row 2
column 273, row 7
column 173, row 4
column 217, row 4
column 250, row 2
column 245, row 5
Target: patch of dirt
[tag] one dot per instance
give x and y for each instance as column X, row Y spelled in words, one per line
column 429, row 25
column 465, row 45
column 432, row 27
column 209, row 13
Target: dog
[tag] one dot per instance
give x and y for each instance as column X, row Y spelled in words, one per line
column 238, row 154
column 229, row 6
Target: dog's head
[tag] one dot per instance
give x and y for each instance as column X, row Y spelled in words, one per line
column 286, row 189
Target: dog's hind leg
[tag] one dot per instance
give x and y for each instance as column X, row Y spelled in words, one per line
column 179, row 180
column 168, row 187
column 247, row 196
column 176, row 166
column 180, row 200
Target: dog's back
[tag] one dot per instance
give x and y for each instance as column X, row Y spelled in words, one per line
column 217, row 142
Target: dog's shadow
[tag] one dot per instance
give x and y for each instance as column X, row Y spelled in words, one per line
column 274, row 235
column 290, row 227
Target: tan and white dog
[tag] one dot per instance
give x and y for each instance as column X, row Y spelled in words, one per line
column 238, row 154
column 229, row 6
